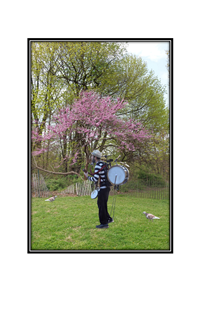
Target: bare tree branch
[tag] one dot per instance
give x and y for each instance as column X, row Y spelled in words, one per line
column 60, row 173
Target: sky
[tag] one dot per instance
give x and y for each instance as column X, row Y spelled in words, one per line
column 154, row 54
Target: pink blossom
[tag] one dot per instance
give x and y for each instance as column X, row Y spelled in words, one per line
column 88, row 115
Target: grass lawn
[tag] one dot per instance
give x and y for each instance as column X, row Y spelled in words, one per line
column 69, row 223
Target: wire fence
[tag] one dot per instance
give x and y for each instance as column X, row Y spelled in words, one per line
column 70, row 189
column 152, row 193
column 38, row 186
column 39, row 189
column 80, row 189
column 84, row 188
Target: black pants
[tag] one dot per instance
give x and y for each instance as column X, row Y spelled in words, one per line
column 102, row 205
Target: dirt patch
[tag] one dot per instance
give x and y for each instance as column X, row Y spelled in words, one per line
column 68, row 238
column 76, row 228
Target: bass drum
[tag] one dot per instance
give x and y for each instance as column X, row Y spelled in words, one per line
column 118, row 175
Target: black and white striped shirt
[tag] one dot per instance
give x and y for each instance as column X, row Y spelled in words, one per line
column 100, row 174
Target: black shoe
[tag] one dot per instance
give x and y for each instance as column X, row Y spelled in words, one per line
column 101, row 226
column 110, row 220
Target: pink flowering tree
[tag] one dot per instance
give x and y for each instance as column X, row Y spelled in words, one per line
column 91, row 122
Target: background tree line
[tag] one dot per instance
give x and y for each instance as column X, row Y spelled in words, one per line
column 60, row 71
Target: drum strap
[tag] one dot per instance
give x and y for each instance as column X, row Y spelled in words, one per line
column 92, row 174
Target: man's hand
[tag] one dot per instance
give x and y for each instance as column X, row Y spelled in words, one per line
column 86, row 174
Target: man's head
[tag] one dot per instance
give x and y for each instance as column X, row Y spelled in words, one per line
column 95, row 156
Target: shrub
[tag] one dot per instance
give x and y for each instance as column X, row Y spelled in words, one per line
column 132, row 185
column 55, row 184
column 152, row 180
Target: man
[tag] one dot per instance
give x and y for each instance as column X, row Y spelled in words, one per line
column 103, row 194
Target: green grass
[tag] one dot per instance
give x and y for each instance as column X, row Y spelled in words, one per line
column 69, row 223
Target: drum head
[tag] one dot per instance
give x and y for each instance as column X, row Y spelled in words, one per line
column 116, row 175
column 94, row 194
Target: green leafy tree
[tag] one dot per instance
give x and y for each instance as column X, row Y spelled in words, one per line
column 61, row 70
column 46, row 91
column 86, row 65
